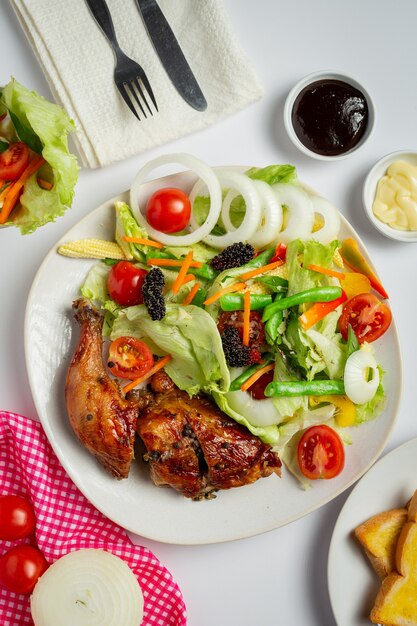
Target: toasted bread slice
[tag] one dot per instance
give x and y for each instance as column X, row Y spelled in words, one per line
column 396, row 602
column 378, row 536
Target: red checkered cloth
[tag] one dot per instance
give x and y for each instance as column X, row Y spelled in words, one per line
column 66, row 521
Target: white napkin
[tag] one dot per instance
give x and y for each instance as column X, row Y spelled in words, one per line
column 78, row 63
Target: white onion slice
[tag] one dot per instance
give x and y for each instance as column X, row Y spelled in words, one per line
column 87, row 588
column 357, row 386
column 330, row 229
column 271, row 221
column 225, row 213
column 301, row 218
column 213, row 186
column 247, row 228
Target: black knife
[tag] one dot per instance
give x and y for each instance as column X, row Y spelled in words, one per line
column 171, row 55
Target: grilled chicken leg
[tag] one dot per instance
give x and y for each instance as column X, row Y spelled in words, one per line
column 102, row 419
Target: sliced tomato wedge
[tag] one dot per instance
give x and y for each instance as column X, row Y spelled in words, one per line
column 129, row 358
column 13, row 161
column 368, row 316
column 320, row 453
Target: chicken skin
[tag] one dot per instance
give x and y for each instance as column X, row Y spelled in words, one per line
column 101, row 417
column 197, row 449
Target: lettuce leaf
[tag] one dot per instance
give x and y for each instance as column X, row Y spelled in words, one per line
column 302, row 254
column 44, row 126
column 190, row 336
column 127, row 226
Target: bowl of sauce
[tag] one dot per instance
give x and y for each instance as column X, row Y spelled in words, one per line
column 390, row 195
column 328, row 115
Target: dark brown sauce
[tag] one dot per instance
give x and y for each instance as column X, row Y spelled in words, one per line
column 330, row 117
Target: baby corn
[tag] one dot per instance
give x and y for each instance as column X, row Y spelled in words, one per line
column 92, row 249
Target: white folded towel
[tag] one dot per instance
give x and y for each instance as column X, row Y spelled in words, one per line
column 78, row 63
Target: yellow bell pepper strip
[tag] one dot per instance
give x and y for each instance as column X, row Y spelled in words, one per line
column 354, row 283
column 319, row 310
column 346, row 414
column 354, row 259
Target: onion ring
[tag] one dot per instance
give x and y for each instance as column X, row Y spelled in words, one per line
column 330, row 229
column 358, row 387
column 213, row 186
column 301, row 220
column 271, row 221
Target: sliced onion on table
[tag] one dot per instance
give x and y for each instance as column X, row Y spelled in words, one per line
column 330, row 229
column 361, row 376
column 301, row 212
column 212, row 184
column 87, row 588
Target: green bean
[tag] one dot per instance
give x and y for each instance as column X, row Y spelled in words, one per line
column 305, row 388
column 272, row 325
column 234, row 301
column 260, row 260
column 199, row 298
column 318, row 294
column 238, row 382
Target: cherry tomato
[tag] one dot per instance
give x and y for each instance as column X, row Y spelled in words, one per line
column 320, row 453
column 13, row 161
column 235, row 319
column 280, row 253
column 368, row 316
column 129, row 358
column 20, row 568
column 168, row 210
column 17, row 518
column 257, row 390
column 124, row 283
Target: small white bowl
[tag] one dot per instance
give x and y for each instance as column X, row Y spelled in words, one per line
column 327, row 75
column 369, row 190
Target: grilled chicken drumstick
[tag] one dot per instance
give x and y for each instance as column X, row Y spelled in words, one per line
column 102, row 419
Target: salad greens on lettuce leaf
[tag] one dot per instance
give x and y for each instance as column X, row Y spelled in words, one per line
column 300, row 255
column 127, row 226
column 189, row 335
column 370, row 410
column 44, row 127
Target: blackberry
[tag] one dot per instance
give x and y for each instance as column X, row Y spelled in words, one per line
column 152, row 295
column 236, row 354
column 233, row 256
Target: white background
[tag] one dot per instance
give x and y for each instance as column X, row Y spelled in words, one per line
column 279, row 577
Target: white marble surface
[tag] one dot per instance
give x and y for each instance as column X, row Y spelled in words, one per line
column 279, row 577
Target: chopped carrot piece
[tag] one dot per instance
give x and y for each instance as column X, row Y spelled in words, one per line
column 222, row 292
column 143, row 242
column 324, row 270
column 262, row 270
column 187, row 279
column 181, row 274
column 190, row 296
column 45, row 184
column 246, row 318
column 248, row 383
column 172, row 263
column 12, row 193
column 158, row 365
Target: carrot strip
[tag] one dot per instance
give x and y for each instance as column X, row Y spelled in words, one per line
column 181, row 274
column 248, row 383
column 324, row 270
column 13, row 192
column 172, row 263
column 261, row 270
column 158, row 365
column 143, row 242
column 45, row 184
column 187, row 279
column 190, row 296
column 246, row 318
column 222, row 292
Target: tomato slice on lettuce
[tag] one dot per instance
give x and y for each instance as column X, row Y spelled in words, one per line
column 129, row 358
column 368, row 317
column 13, row 161
column 320, row 453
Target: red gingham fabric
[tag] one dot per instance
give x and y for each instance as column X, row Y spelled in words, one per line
column 66, row 521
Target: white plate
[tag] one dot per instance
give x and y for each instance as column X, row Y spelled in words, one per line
column 135, row 503
column 389, row 484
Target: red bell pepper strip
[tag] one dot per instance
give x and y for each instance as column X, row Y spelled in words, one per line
column 319, row 310
column 353, row 258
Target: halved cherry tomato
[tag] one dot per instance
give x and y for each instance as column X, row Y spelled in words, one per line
column 257, row 390
column 17, row 518
column 320, row 453
column 124, row 283
column 168, row 210
column 20, row 568
column 129, row 358
column 13, row 161
column 368, row 316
